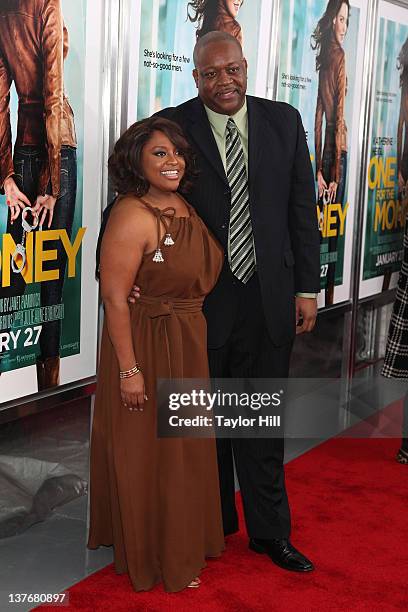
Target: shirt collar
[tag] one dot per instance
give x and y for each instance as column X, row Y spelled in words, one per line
column 219, row 122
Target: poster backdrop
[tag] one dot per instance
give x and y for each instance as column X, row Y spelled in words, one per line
column 387, row 172
column 47, row 336
column 319, row 72
column 161, row 61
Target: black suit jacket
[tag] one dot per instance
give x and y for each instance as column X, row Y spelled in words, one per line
column 282, row 206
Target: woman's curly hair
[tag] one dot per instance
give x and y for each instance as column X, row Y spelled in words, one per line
column 402, row 64
column 206, row 14
column 125, row 163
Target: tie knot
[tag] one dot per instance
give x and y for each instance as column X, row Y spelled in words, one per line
column 231, row 126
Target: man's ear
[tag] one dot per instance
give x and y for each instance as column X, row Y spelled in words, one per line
column 195, row 76
column 246, row 65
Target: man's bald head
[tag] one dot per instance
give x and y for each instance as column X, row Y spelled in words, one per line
column 220, row 72
column 213, row 38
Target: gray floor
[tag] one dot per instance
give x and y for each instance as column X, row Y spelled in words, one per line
column 52, row 555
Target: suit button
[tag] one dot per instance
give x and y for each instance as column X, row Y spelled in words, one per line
column 222, row 226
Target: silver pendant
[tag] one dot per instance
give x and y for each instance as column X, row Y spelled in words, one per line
column 158, row 256
column 168, row 240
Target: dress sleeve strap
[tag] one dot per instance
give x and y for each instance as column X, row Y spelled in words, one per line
column 163, row 216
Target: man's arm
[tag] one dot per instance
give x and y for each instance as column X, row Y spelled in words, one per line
column 304, row 233
column 303, row 225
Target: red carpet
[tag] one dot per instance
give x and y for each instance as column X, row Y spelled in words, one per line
column 350, row 515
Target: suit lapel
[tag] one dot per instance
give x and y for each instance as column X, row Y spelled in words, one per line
column 200, row 131
column 256, row 135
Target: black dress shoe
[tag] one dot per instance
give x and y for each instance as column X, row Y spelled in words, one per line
column 402, row 456
column 282, row 553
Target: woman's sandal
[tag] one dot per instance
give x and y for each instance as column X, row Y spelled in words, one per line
column 194, row 584
column 402, row 456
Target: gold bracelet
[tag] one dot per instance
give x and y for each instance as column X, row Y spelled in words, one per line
column 132, row 372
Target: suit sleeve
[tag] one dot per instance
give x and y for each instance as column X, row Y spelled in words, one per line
column 6, row 161
column 53, row 88
column 303, row 224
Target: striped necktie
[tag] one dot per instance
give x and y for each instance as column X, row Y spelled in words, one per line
column 241, row 249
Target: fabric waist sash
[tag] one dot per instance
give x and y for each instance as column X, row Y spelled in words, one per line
column 168, row 337
column 159, row 307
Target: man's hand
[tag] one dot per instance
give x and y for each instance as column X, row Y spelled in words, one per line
column 306, row 313
column 134, row 294
column 45, row 205
column 16, row 199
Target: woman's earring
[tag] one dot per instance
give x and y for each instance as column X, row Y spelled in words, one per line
column 168, row 241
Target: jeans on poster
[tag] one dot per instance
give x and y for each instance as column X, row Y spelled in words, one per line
column 28, row 161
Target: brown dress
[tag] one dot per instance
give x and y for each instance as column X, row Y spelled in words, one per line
column 157, row 500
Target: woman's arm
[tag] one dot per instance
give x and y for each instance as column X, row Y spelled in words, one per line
column 123, row 244
column 318, row 144
column 6, row 160
column 16, row 199
column 339, row 102
column 401, row 181
column 52, row 44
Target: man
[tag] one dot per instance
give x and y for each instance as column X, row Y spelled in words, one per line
column 255, row 192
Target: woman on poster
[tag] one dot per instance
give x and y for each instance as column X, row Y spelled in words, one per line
column 402, row 144
column 155, row 499
column 218, row 15
column 331, row 166
column 402, row 139
column 42, row 172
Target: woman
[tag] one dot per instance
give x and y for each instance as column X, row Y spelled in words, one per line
column 402, row 140
column 155, row 499
column 42, row 173
column 331, row 167
column 216, row 15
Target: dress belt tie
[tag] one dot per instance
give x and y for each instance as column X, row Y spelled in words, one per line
column 161, row 307
column 164, row 312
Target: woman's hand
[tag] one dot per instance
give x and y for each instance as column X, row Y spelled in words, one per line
column 134, row 294
column 16, row 200
column 332, row 191
column 402, row 186
column 45, row 205
column 321, row 183
column 132, row 391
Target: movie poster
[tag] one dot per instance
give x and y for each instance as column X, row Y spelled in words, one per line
column 320, row 63
column 47, row 335
column 161, row 54
column 387, row 172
